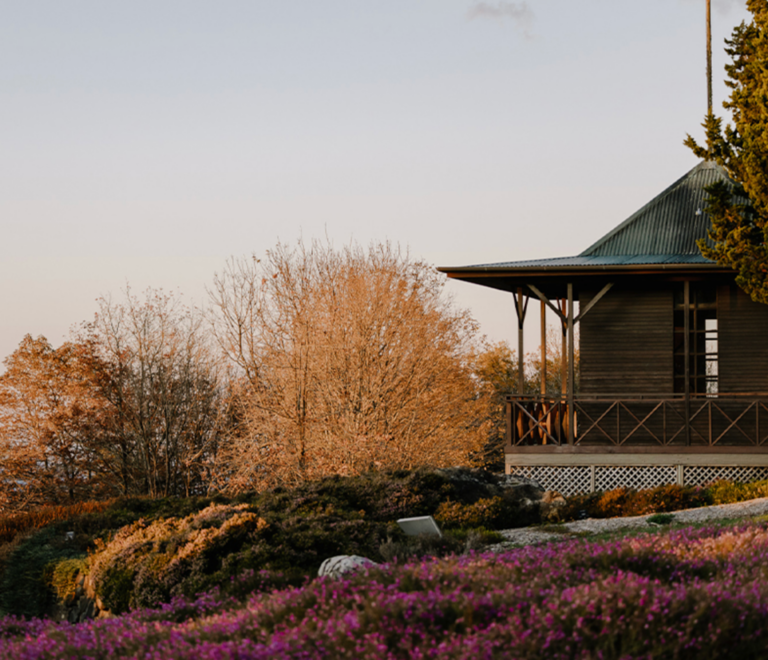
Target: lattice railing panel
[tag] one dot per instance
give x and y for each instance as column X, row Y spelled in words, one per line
column 634, row 476
column 699, row 475
column 566, row 480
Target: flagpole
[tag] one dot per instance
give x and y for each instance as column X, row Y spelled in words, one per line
column 709, row 56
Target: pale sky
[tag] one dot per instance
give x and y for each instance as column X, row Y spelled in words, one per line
column 145, row 142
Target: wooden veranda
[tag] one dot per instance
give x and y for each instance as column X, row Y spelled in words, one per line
column 672, row 374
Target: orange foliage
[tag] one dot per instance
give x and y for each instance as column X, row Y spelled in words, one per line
column 11, row 525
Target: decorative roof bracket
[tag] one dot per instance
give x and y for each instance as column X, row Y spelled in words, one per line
column 582, row 312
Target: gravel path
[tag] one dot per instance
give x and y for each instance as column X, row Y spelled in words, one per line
column 531, row 535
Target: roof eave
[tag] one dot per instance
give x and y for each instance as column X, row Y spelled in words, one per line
column 485, row 271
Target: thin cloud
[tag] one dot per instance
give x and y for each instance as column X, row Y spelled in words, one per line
column 518, row 12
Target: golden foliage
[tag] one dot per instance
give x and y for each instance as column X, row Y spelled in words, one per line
column 352, row 361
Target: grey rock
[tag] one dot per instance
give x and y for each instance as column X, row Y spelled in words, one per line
column 341, row 564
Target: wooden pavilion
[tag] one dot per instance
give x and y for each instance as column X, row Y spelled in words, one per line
column 672, row 381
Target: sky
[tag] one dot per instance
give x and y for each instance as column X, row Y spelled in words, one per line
column 143, row 143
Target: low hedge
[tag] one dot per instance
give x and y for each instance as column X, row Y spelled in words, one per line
column 662, row 499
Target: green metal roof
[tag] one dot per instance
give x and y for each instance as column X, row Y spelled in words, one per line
column 670, row 224
column 664, row 231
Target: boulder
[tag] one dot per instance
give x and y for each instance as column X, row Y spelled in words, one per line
column 340, row 564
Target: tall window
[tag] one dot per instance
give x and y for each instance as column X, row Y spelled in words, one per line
column 702, row 339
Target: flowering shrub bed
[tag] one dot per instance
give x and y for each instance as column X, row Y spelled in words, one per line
column 691, row 593
column 143, row 551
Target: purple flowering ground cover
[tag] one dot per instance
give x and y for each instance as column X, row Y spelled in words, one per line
column 690, row 593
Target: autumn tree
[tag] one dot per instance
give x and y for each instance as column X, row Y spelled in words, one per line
column 351, row 360
column 557, row 364
column 163, row 388
column 739, row 212
column 495, row 368
column 50, row 415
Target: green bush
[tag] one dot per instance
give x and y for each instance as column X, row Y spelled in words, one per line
column 405, row 548
column 25, row 588
column 64, row 576
column 660, row 519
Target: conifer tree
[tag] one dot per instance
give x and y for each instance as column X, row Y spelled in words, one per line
column 739, row 211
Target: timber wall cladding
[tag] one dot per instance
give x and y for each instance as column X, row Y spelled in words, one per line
column 742, row 342
column 626, row 343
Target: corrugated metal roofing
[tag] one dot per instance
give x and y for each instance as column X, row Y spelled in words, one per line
column 664, row 231
column 670, row 223
column 597, row 260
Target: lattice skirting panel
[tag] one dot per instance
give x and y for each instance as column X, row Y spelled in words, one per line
column 634, row 476
column 698, row 475
column 570, row 480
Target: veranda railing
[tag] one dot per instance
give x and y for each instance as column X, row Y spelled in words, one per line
column 631, row 420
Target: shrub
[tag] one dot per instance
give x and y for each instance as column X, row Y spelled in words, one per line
column 660, row 519
column 145, row 563
column 627, row 502
column 290, row 532
column 483, row 513
column 406, row 548
column 727, row 492
column 670, row 497
column 614, row 503
column 26, row 589
column 64, row 576
column 191, row 548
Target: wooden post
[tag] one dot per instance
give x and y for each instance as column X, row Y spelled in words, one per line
column 571, row 366
column 563, row 353
column 520, row 320
column 509, row 425
column 544, row 405
column 562, row 422
column 687, row 353
column 543, row 349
